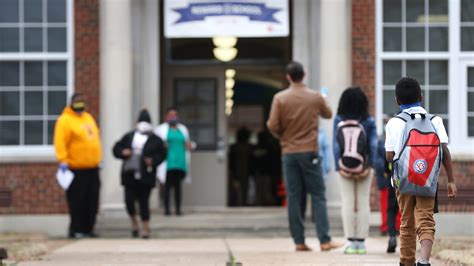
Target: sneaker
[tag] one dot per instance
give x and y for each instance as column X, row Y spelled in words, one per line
column 135, row 233
column 77, row 236
column 392, row 244
column 361, row 249
column 351, row 248
column 92, row 235
column 422, row 264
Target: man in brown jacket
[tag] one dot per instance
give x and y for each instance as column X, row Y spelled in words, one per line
column 294, row 119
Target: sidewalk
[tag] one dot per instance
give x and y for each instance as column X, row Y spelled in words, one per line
column 210, row 251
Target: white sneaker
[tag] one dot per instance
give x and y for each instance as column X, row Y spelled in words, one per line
column 361, row 249
column 350, row 248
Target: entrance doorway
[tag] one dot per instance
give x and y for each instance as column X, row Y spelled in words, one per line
column 254, row 165
column 201, row 97
column 195, row 80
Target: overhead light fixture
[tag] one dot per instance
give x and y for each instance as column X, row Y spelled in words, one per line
column 225, row 54
column 230, row 73
column 229, row 90
column 229, row 83
column 225, row 50
column 224, row 41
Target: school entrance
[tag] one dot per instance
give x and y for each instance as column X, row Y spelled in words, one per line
column 216, row 100
column 221, row 64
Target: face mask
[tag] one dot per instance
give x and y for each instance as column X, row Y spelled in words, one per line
column 173, row 122
column 78, row 106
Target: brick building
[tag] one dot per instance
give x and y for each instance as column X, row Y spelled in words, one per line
column 119, row 54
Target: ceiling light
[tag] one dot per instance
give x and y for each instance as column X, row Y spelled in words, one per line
column 225, row 54
column 224, row 41
column 230, row 73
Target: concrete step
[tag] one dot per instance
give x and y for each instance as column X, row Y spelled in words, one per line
column 229, row 222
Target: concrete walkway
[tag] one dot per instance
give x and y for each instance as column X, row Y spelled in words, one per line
column 211, row 251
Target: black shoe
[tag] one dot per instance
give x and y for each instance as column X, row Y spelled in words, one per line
column 145, row 236
column 135, row 233
column 423, row 264
column 179, row 213
column 92, row 235
column 77, row 236
column 167, row 213
column 392, row 244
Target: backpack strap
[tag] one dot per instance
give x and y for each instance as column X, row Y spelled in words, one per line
column 430, row 116
column 404, row 116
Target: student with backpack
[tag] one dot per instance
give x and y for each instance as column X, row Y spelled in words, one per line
column 355, row 148
column 417, row 143
column 389, row 210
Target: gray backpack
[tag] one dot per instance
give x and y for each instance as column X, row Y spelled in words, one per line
column 417, row 166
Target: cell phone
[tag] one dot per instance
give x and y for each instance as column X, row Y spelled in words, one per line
column 315, row 159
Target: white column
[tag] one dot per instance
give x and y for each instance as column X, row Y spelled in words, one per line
column 305, row 34
column 336, row 65
column 146, row 62
column 145, row 47
column 115, row 91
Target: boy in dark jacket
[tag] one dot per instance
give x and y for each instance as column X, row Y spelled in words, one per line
column 388, row 199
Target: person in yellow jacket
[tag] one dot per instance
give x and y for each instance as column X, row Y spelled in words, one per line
column 78, row 148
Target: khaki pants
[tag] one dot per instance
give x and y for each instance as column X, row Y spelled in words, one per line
column 355, row 209
column 416, row 220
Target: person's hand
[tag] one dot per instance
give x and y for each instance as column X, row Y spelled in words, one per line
column 127, row 153
column 345, row 174
column 63, row 167
column 148, row 161
column 452, row 190
column 365, row 173
column 362, row 175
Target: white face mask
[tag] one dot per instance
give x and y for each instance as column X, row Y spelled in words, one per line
column 144, row 127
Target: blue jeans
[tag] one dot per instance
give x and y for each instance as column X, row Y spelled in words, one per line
column 302, row 170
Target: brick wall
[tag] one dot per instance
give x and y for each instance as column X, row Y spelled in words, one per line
column 363, row 47
column 87, row 47
column 32, row 185
column 363, row 74
column 33, row 189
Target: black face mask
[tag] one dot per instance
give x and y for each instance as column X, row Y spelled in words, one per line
column 78, row 107
column 173, row 123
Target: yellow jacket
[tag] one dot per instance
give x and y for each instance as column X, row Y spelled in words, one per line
column 77, row 140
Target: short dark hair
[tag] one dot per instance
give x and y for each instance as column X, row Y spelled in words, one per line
column 353, row 104
column 408, row 91
column 295, row 70
column 171, row 108
column 243, row 134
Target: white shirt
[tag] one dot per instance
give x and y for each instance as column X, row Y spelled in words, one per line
column 395, row 127
column 138, row 143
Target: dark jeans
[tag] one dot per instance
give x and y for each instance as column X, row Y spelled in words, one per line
column 140, row 193
column 173, row 181
column 83, row 200
column 301, row 171
column 392, row 211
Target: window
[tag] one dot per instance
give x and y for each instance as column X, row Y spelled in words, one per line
column 433, row 42
column 197, row 100
column 432, row 76
column 415, row 25
column 35, row 69
column 470, row 101
column 467, row 25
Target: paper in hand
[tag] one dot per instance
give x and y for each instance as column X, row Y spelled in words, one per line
column 64, row 178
